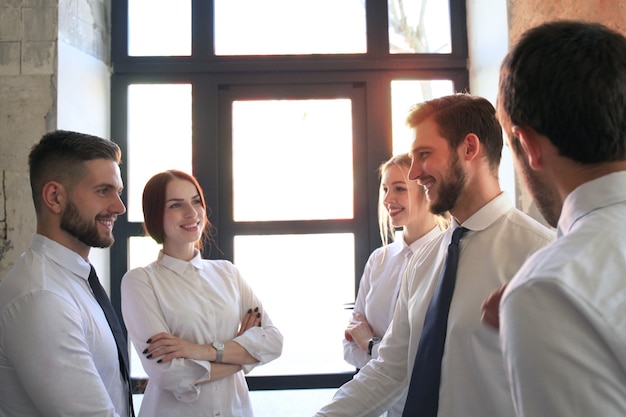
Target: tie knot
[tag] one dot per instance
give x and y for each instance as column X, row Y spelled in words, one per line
column 458, row 234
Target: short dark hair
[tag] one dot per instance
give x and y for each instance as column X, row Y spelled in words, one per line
column 567, row 81
column 60, row 156
column 460, row 114
column 153, row 202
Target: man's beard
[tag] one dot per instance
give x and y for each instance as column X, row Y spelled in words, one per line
column 450, row 188
column 84, row 230
column 540, row 192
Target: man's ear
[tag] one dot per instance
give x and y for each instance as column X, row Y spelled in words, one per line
column 529, row 139
column 53, row 196
column 471, row 147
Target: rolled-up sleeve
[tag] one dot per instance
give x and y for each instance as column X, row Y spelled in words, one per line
column 265, row 343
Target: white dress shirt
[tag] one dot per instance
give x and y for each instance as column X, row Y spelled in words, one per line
column 563, row 317
column 200, row 301
column 377, row 295
column 58, row 356
column 473, row 381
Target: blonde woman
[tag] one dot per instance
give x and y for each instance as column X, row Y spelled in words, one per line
column 402, row 204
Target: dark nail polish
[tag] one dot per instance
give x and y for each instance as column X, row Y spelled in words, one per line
column 149, row 341
column 258, row 315
column 249, row 310
column 256, row 309
column 149, row 356
column 145, row 351
column 160, row 360
column 259, row 324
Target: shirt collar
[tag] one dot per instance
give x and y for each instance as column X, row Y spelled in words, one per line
column 592, row 195
column 422, row 240
column 487, row 214
column 177, row 265
column 399, row 246
column 61, row 255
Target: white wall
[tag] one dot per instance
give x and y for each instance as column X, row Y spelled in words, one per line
column 488, row 41
column 83, row 105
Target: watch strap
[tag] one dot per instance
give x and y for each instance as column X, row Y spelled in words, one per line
column 219, row 348
column 370, row 345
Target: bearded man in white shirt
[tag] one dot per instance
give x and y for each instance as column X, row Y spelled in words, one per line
column 58, row 355
column 455, row 156
column 562, row 103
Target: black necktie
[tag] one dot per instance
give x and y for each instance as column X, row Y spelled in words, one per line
column 122, row 347
column 423, row 396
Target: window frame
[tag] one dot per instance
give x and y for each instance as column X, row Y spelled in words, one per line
column 209, row 74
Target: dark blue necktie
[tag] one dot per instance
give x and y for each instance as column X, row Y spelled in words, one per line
column 423, row 396
column 122, row 348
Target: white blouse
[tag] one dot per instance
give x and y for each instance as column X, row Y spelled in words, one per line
column 200, row 301
column 377, row 296
column 378, row 291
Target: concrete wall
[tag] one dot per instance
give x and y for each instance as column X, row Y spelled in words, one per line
column 28, row 61
column 54, row 59
column 524, row 14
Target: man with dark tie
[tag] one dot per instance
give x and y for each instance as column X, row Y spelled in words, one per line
column 436, row 342
column 62, row 351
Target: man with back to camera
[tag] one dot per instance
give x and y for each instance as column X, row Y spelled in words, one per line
column 562, row 103
column 456, row 155
column 58, row 355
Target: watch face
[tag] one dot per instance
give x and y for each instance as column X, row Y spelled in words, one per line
column 218, row 345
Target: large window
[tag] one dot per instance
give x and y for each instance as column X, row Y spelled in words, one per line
column 283, row 110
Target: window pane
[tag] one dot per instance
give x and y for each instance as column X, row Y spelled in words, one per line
column 287, row 27
column 406, row 93
column 159, row 136
column 292, row 160
column 159, row 27
column 419, row 26
column 142, row 251
column 298, row 276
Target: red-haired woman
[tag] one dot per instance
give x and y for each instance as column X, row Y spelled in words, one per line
column 195, row 323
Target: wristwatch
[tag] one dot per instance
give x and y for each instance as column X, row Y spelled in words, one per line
column 374, row 340
column 219, row 347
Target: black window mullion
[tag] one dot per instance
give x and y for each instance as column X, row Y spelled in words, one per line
column 202, row 35
column 458, row 26
column 119, row 34
column 377, row 29
column 205, row 153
